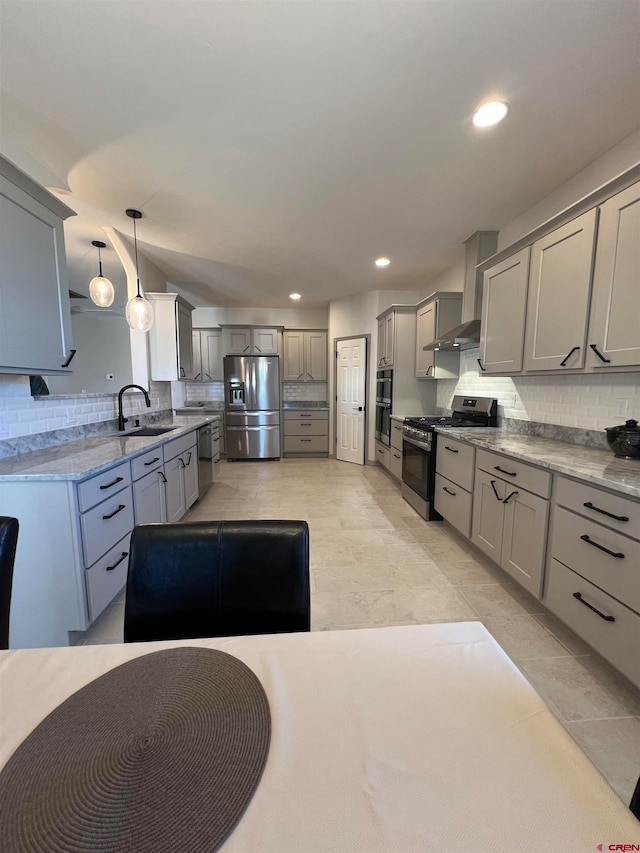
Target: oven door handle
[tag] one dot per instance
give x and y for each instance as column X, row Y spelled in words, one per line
column 419, row 444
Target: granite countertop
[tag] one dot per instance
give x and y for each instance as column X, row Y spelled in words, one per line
column 306, row 404
column 599, row 467
column 201, row 407
column 76, row 460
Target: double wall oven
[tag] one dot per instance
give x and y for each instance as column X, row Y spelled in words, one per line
column 419, row 441
column 384, row 390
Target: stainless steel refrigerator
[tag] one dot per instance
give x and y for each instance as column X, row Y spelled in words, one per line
column 252, row 406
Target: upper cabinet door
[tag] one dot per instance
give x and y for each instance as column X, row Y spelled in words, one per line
column 185, row 342
column 315, row 356
column 389, row 338
column 614, row 332
column 196, row 355
column 504, row 300
column 265, row 342
column 382, row 330
column 211, row 349
column 425, row 333
column 35, row 317
column 293, row 357
column 236, row 341
column 558, row 302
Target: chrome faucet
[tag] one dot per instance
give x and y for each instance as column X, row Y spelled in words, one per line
column 121, row 418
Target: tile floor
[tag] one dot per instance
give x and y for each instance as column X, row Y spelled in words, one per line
column 374, row 562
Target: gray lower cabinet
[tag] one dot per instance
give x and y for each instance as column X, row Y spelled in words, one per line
column 149, row 498
column 454, row 482
column 510, row 522
column 181, row 473
column 306, row 432
column 593, row 573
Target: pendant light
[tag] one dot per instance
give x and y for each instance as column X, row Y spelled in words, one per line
column 100, row 288
column 139, row 312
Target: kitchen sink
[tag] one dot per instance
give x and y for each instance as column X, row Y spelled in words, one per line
column 150, row 430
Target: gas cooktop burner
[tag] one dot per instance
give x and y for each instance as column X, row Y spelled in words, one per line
column 467, row 412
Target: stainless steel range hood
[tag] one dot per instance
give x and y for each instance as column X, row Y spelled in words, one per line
column 479, row 247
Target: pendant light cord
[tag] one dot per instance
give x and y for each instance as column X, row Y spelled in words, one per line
column 100, row 261
column 135, row 243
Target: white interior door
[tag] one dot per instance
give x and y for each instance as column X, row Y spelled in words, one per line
column 350, row 385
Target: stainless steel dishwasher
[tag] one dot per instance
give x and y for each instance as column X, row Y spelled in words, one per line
column 206, row 455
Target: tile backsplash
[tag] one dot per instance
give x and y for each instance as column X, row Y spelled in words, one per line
column 590, row 402
column 214, row 391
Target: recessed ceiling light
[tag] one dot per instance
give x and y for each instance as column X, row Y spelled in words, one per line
column 383, row 262
column 490, row 113
column 294, row 296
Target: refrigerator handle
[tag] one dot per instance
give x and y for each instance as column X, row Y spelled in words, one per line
column 254, row 383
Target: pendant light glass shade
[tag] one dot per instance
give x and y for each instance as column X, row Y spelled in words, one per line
column 139, row 312
column 101, row 290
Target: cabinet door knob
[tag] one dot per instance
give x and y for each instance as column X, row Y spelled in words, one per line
column 69, row 358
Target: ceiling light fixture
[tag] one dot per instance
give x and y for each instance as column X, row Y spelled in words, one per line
column 383, row 262
column 490, row 113
column 100, row 288
column 294, row 296
column 139, row 312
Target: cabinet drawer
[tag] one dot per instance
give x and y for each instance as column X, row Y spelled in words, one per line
column 215, row 465
column 519, row 473
column 106, row 524
column 613, row 511
column 107, row 577
column 618, row 641
column 455, row 461
column 306, row 415
column 306, row 427
column 103, row 485
column 395, row 462
column 309, row 444
column 382, row 454
column 617, row 575
column 178, row 445
column 146, row 463
column 454, row 504
column 396, row 435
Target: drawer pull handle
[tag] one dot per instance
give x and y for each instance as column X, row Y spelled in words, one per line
column 599, row 354
column 502, row 471
column 395, row 426
column 451, row 449
column 617, row 554
column 217, row 462
column 189, row 459
column 448, row 491
column 117, row 562
column 568, row 356
column 115, row 512
column 217, row 439
column 397, row 456
column 306, row 424
column 248, row 346
column 164, row 479
column 589, row 505
column 153, row 461
column 112, row 483
column 309, row 439
column 495, row 491
column 595, row 609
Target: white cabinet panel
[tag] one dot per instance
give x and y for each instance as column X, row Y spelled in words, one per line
column 170, row 338
column 614, row 331
column 524, row 539
column 558, row 301
column 293, row 357
column 149, row 499
column 503, row 313
column 174, row 489
column 488, row 514
column 315, row 351
column 190, row 474
column 305, row 356
column 107, row 577
column 425, row 333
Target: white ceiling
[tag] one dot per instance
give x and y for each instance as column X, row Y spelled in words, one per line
column 280, row 146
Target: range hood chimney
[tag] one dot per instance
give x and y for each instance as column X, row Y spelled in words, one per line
column 479, row 247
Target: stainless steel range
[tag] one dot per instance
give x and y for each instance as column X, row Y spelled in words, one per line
column 419, row 447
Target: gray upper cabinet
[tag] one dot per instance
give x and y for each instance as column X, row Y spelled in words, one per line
column 304, row 356
column 252, row 340
column 35, row 316
column 503, row 312
column 170, row 340
column 207, row 355
column 386, row 339
column 434, row 317
column 558, row 301
column 614, row 330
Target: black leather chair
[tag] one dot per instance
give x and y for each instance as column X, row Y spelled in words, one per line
column 8, row 543
column 217, row 578
column 634, row 805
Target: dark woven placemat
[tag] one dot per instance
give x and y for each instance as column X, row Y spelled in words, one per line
column 162, row 753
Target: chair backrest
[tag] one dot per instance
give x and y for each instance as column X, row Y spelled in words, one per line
column 634, row 805
column 8, row 543
column 217, row 578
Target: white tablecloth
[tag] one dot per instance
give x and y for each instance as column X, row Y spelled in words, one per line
column 419, row 738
